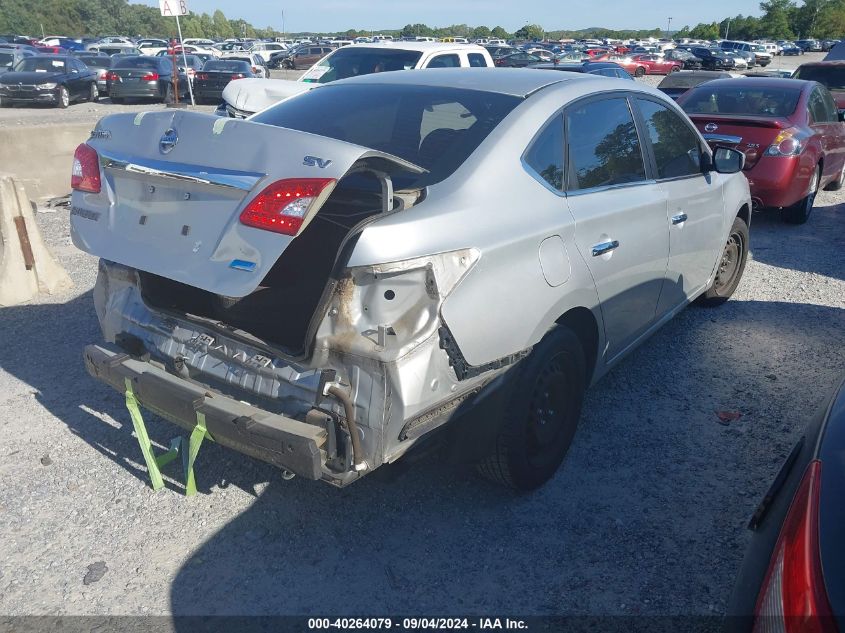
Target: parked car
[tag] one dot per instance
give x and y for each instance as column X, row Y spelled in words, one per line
column 144, row 77
column 195, row 64
column 266, row 49
column 517, row 60
column 714, row 59
column 793, row 572
column 829, row 74
column 9, row 57
column 657, row 65
column 305, row 57
column 809, row 46
column 791, row 49
column 631, row 66
column 827, row 45
column 789, row 130
column 215, row 75
column 687, row 59
column 100, row 64
column 500, row 51
column 151, row 46
column 346, row 287
column 604, row 69
column 52, row 79
column 256, row 63
column 676, row 84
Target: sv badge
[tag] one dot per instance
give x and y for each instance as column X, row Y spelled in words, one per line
column 314, row 161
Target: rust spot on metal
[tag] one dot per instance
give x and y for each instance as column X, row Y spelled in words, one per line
column 26, row 247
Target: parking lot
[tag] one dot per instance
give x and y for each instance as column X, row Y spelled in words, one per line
column 646, row 516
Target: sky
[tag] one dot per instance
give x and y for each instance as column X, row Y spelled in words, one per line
column 340, row 15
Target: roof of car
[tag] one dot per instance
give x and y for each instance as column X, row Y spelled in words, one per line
column 517, row 82
column 825, row 62
column 414, row 46
column 762, row 82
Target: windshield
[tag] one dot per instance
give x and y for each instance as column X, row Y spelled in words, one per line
column 41, row 65
column 431, row 126
column 228, row 66
column 769, row 102
column 351, row 62
column 686, row 81
column 6, row 59
column 135, row 62
column 831, row 77
column 96, row 62
column 758, row 48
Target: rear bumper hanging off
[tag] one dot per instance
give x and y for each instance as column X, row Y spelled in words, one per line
column 276, row 439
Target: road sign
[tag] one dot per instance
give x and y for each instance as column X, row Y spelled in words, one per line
column 173, row 8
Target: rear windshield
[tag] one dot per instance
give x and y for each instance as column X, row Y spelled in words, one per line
column 245, row 60
column 831, row 77
column 41, row 65
column 777, row 102
column 228, row 66
column 96, row 62
column 135, row 62
column 351, row 62
column 431, row 126
column 681, row 80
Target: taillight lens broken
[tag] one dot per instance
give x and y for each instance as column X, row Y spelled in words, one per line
column 793, row 598
column 283, row 206
column 85, row 173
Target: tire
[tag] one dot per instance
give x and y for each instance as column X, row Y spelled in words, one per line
column 799, row 212
column 541, row 415
column 837, row 184
column 116, row 100
column 730, row 268
column 639, row 72
column 93, row 93
column 675, row 69
column 64, row 98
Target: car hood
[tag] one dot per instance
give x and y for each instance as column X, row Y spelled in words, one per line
column 28, row 78
column 252, row 95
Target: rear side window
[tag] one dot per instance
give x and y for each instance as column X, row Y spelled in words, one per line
column 6, row 59
column 445, row 61
column 476, row 60
column 545, row 156
column 818, row 108
column 604, row 149
column 676, row 149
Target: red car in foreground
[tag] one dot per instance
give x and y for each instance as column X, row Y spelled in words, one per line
column 658, row 65
column 789, row 130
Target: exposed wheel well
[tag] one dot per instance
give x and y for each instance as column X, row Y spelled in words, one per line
column 745, row 214
column 582, row 322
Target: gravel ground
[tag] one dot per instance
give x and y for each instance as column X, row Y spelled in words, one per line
column 646, row 516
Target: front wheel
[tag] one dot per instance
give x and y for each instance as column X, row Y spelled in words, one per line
column 541, row 415
column 93, row 93
column 730, row 268
column 675, row 69
column 799, row 212
column 639, row 72
column 63, row 100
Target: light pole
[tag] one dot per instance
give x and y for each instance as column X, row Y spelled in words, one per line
column 669, row 29
column 728, row 28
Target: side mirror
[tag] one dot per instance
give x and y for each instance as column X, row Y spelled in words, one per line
column 727, row 160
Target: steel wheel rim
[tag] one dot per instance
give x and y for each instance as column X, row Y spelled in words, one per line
column 546, row 429
column 729, row 264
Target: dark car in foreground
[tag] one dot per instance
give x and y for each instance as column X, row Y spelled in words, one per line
column 789, row 130
column 144, row 78
column 50, row 79
column 676, row 84
column 793, row 575
column 714, row 59
column 829, row 74
column 216, row 75
column 605, row 69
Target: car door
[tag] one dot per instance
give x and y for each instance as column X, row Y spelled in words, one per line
column 620, row 215
column 695, row 208
column 75, row 78
column 825, row 123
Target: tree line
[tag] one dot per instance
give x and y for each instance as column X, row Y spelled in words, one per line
column 779, row 19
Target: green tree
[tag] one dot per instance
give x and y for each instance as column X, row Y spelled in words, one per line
column 480, row 31
column 222, row 28
column 530, row 32
column 774, row 23
column 705, row 31
column 500, row 33
column 416, row 30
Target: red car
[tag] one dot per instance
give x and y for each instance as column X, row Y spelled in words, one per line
column 789, row 130
column 635, row 68
column 657, row 65
column 51, row 50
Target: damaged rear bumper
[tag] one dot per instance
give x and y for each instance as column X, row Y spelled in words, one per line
column 279, row 440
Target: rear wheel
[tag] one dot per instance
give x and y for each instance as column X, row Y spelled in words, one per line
column 63, row 99
column 799, row 212
column 675, row 69
column 541, row 415
column 93, row 93
column 639, row 72
column 730, row 268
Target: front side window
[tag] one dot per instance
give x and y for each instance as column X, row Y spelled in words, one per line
column 545, row 156
column 676, row 149
column 604, row 148
column 445, row 61
column 818, row 108
column 476, row 60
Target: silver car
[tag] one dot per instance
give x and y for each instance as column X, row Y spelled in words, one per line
column 459, row 250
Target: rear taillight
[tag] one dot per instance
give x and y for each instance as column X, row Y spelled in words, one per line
column 238, row 76
column 150, row 77
column 283, row 206
column 793, row 597
column 112, row 76
column 787, row 143
column 85, row 173
column 202, row 76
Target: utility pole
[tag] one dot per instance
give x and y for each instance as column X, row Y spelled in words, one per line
column 669, row 29
column 284, row 36
column 728, row 28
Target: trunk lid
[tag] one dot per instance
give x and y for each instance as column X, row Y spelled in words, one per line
column 174, row 185
column 750, row 135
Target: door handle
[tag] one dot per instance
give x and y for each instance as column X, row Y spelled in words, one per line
column 680, row 218
column 604, row 247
